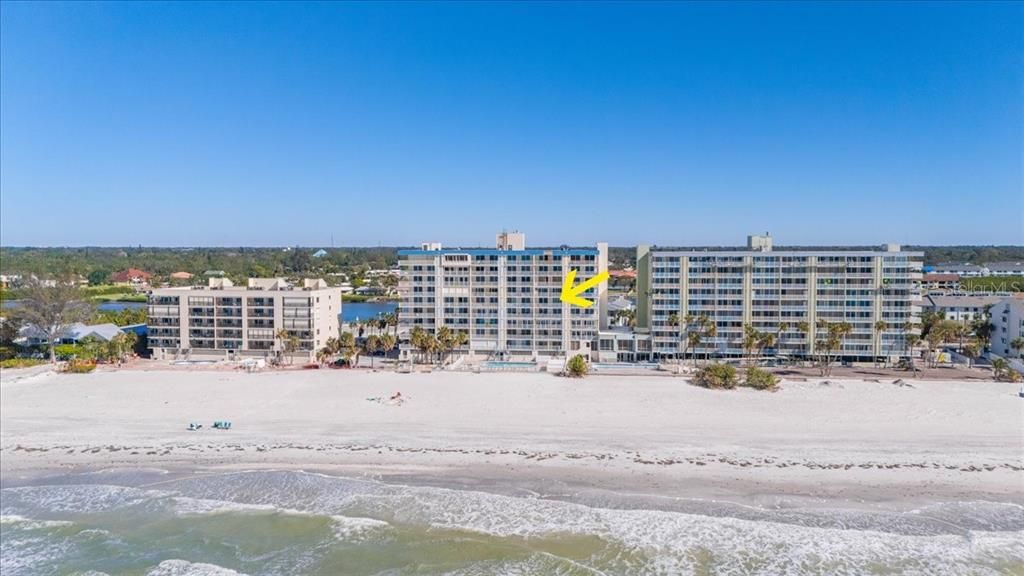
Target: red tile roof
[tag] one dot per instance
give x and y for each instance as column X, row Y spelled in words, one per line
column 131, row 274
column 940, row 278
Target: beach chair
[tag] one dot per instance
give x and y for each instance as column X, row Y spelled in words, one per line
column 193, row 426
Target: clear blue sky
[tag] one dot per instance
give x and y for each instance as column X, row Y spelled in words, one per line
column 274, row 124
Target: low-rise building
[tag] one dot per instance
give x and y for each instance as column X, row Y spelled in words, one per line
column 131, row 277
column 960, row 307
column 75, row 333
column 222, row 320
column 967, row 270
column 1005, row 268
column 940, row 282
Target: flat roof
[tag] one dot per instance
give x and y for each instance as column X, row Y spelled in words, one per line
column 496, row 252
column 960, row 300
column 786, row 252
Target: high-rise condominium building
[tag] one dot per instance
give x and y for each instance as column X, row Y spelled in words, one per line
column 222, row 320
column 787, row 293
column 506, row 298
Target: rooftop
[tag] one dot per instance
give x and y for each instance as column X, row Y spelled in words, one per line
column 961, row 300
column 266, row 284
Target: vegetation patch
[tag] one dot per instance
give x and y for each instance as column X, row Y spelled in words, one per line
column 20, row 362
column 577, row 367
column 80, row 366
column 760, row 379
column 716, row 376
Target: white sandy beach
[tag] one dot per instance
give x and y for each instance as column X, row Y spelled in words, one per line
column 853, row 440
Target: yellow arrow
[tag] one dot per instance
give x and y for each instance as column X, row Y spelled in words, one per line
column 571, row 294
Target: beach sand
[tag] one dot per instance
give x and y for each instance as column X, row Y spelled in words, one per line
column 859, row 442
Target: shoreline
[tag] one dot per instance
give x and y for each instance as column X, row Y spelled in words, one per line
column 854, row 444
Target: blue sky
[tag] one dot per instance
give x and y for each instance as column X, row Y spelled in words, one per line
column 282, row 124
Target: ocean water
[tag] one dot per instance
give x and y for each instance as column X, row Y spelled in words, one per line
column 149, row 522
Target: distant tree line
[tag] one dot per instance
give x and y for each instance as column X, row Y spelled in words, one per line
column 98, row 264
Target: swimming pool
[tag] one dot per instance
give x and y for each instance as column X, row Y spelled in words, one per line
column 503, row 365
column 609, row 366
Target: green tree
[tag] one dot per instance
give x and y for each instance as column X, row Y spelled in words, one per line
column 99, row 276
column 880, row 327
column 780, row 335
column 911, row 340
column 50, row 308
column 289, row 344
column 1017, row 344
column 371, row 344
column 760, row 379
column 831, row 343
column 347, row 347
column 673, row 321
column 577, row 366
column 1003, row 372
column 323, row 355
column 717, row 376
column 804, row 328
column 708, row 331
column 387, row 343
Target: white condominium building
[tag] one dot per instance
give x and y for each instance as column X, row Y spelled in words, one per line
column 222, row 320
column 768, row 289
column 507, row 298
column 1007, row 328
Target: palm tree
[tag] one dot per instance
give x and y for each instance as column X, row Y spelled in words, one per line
column 289, row 344
column 392, row 319
column 1017, row 344
column 332, row 346
column 370, row 345
column 416, row 336
column 692, row 341
column 835, row 333
column 462, row 339
column 765, row 340
column 347, row 346
column 972, row 350
column 708, row 329
column 387, row 343
column 1002, row 370
column 673, row 320
column 445, row 341
column 804, row 328
column 780, row 333
column 684, row 335
column 880, row 327
column 911, row 341
column 323, row 355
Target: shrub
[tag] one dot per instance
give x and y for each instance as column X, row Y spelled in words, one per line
column 760, row 379
column 70, row 351
column 1003, row 372
column 577, row 367
column 21, row 362
column 7, row 352
column 80, row 367
column 716, row 376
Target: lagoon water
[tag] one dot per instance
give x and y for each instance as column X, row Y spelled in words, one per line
column 288, row 522
column 350, row 311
